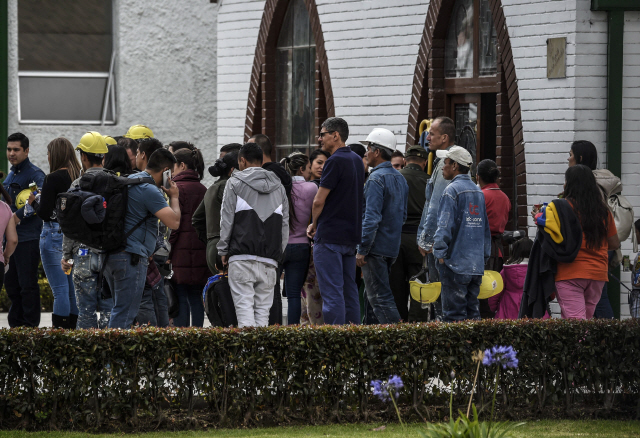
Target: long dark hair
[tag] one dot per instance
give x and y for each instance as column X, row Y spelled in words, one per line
column 584, row 152
column 192, row 158
column 118, row 160
column 520, row 250
column 585, row 196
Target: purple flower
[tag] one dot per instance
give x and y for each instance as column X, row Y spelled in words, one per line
column 383, row 390
column 501, row 355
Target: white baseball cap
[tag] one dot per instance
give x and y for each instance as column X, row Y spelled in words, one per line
column 457, row 154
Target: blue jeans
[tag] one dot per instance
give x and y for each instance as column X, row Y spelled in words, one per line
column 296, row 265
column 376, row 283
column 336, row 272
column 459, row 295
column 126, row 281
column 64, row 296
column 189, row 304
column 85, row 279
column 154, row 308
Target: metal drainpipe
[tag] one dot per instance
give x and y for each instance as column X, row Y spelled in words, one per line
column 4, row 82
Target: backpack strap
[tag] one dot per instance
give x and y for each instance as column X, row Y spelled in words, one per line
column 138, row 225
column 139, row 180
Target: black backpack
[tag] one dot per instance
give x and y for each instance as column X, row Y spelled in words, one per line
column 108, row 235
column 218, row 302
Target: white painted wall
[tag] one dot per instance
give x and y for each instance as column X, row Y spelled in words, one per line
column 165, row 76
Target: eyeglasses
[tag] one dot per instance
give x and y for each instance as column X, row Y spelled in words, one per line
column 321, row 135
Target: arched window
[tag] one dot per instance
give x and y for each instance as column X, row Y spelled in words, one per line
column 470, row 76
column 470, row 47
column 295, row 84
column 290, row 93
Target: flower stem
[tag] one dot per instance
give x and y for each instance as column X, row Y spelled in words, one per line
column 451, row 402
column 495, row 391
column 397, row 411
column 473, row 388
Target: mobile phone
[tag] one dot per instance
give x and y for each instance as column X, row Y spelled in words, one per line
column 166, row 178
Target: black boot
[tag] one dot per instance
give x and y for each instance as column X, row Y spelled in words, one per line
column 60, row 321
column 73, row 322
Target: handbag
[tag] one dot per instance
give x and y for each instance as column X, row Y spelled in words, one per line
column 172, row 298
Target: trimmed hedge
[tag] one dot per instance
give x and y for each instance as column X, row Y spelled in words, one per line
column 145, row 378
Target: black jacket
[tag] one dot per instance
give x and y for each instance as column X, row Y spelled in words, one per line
column 540, row 282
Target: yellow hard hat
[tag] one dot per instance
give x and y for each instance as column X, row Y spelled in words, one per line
column 424, row 292
column 492, row 284
column 139, row 131
column 22, row 197
column 93, row 143
column 109, row 140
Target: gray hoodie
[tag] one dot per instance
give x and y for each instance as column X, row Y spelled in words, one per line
column 254, row 220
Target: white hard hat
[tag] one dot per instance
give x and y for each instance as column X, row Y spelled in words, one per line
column 382, row 138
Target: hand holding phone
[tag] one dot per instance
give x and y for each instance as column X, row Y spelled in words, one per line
column 166, row 178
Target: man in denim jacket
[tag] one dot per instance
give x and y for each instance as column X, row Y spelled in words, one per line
column 385, row 211
column 442, row 135
column 462, row 243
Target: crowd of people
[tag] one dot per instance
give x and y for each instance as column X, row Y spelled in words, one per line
column 347, row 228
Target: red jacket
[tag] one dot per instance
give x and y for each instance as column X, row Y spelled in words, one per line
column 498, row 208
column 188, row 253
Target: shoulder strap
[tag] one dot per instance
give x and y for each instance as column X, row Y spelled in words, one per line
column 138, row 225
column 139, row 180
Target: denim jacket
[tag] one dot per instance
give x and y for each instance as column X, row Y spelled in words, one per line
column 433, row 194
column 19, row 178
column 463, row 237
column 384, row 212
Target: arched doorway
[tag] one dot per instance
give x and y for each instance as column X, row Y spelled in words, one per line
column 465, row 71
column 290, row 92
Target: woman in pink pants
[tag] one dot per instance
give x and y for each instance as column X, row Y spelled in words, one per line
column 579, row 283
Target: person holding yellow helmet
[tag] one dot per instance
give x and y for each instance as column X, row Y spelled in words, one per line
column 21, row 281
column 462, row 242
column 64, row 168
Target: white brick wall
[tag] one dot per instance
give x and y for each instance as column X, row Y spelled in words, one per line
column 630, row 131
column 371, row 46
column 238, row 27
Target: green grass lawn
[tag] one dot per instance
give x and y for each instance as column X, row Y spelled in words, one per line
column 535, row 429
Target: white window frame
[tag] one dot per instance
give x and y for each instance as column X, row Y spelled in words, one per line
column 109, row 92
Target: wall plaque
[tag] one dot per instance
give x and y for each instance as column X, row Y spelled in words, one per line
column 557, row 58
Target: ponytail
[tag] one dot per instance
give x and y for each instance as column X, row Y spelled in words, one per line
column 192, row 158
column 294, row 162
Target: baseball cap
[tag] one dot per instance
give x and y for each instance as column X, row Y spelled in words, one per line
column 417, row 151
column 458, row 154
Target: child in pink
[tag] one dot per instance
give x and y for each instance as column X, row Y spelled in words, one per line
column 507, row 303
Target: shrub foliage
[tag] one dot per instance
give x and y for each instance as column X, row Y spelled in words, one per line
column 225, row 377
